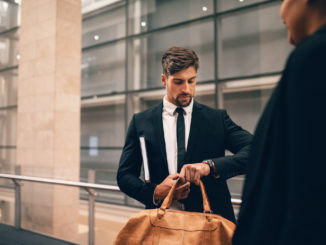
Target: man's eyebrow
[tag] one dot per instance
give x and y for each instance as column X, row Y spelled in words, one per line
column 180, row 79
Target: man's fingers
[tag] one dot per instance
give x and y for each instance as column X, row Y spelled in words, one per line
column 174, row 176
column 182, row 180
column 184, row 186
column 182, row 172
column 197, row 178
column 187, row 174
column 193, row 173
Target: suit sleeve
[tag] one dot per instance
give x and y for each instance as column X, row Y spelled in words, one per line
column 130, row 167
column 238, row 141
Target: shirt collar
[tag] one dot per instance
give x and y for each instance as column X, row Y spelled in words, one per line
column 170, row 108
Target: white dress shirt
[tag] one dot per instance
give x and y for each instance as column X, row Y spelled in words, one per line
column 169, row 117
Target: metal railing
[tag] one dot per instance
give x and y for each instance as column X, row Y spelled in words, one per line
column 89, row 187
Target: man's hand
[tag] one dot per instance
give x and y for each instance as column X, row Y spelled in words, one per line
column 194, row 171
column 181, row 192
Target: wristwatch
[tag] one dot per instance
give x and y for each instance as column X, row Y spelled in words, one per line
column 212, row 168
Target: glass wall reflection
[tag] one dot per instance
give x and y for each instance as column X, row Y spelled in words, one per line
column 147, row 15
column 145, row 53
column 253, row 41
column 103, row 69
column 9, row 59
column 242, row 46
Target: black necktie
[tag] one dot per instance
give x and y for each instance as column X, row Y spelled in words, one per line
column 180, row 137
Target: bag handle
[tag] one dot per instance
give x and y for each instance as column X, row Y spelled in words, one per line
column 168, row 199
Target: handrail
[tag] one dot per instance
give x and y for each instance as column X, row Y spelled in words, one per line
column 235, row 201
column 88, row 186
column 60, row 182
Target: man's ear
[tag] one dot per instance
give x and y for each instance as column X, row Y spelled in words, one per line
column 164, row 79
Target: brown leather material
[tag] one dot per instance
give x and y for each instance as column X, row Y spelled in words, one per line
column 164, row 227
column 206, row 206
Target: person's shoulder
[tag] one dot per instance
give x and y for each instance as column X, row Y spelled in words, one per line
column 310, row 50
column 208, row 109
column 148, row 112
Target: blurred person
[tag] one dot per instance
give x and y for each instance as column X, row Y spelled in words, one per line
column 177, row 131
column 283, row 196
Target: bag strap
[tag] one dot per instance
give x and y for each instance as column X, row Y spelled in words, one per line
column 168, row 199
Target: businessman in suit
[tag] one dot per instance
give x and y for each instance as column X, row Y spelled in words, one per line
column 284, row 192
column 185, row 140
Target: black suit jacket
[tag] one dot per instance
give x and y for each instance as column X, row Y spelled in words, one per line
column 284, row 193
column 211, row 132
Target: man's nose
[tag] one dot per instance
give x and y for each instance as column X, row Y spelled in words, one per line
column 186, row 88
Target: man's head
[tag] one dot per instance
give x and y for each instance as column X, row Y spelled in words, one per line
column 302, row 18
column 180, row 67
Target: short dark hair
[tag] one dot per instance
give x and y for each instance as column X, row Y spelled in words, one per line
column 176, row 59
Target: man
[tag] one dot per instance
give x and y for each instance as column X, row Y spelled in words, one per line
column 179, row 130
column 284, row 193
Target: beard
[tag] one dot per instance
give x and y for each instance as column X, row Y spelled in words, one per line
column 183, row 100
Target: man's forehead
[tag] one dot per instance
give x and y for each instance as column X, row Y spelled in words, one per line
column 184, row 74
column 183, row 78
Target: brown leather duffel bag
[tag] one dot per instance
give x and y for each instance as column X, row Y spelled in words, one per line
column 171, row 227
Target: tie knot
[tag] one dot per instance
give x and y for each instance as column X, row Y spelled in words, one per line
column 179, row 110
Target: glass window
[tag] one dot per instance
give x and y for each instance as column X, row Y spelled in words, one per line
column 206, row 94
column 208, row 100
column 7, row 162
column 223, row 5
column 8, row 119
column 104, row 27
column 145, row 53
column 102, row 126
column 103, row 69
column 7, row 214
column 244, row 107
column 146, row 104
column 105, row 165
column 235, row 185
column 8, row 15
column 8, row 88
column 252, row 42
column 9, row 49
column 145, row 15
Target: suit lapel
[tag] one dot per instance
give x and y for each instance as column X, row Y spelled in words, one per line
column 158, row 126
column 195, row 131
